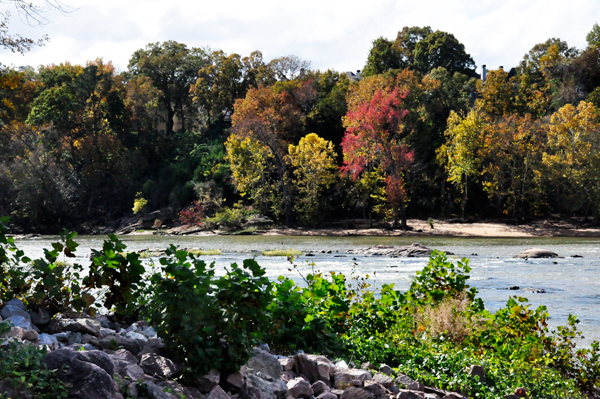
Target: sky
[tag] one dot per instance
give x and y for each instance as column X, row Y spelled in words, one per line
column 332, row 34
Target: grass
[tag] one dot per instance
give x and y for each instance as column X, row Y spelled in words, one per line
column 281, row 252
column 205, row 252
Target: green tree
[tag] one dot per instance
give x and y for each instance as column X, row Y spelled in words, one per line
column 383, row 56
column 173, row 69
column 441, row 49
column 593, row 37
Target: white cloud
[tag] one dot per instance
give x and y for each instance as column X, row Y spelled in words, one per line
column 330, row 33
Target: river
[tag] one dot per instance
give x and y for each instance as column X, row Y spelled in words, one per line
column 570, row 285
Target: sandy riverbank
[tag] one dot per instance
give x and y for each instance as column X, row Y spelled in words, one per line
column 422, row 228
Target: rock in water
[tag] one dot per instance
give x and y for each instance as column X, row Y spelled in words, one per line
column 411, row 251
column 532, row 253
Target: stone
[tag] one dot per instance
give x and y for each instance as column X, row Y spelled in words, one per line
column 411, row 251
column 408, row 382
column 105, row 332
column 132, row 390
column 217, row 393
column 453, row 395
column 16, row 302
column 157, row 392
column 154, row 345
column 263, row 362
column 39, row 316
column 533, row 253
column 236, row 379
column 385, row 369
column 521, row 392
column 367, row 366
column 343, row 379
column 118, row 341
column 88, row 374
column 319, row 387
column 287, row 363
column 207, row 382
column 408, row 394
column 357, row 393
column 133, row 372
column 477, row 371
column 263, row 388
column 327, row 395
column 74, row 338
column 62, row 336
column 383, row 379
column 341, row 366
column 49, row 340
column 84, row 326
column 140, row 338
column 378, row 391
column 431, row 396
column 288, row 375
column 20, row 321
column 149, row 332
column 298, row 388
column 316, row 368
column 30, row 335
column 16, row 332
column 158, row 366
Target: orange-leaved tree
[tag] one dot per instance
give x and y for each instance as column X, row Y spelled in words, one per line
column 373, row 138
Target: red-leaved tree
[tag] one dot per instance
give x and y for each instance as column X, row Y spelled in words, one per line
column 373, row 137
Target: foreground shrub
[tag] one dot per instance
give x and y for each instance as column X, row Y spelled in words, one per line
column 208, row 322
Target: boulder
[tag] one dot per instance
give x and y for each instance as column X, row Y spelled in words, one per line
column 84, row 326
column 217, row 393
column 9, row 311
column 39, row 316
column 207, row 382
column 408, row 382
column 16, row 302
column 263, row 362
column 49, row 340
column 20, row 321
column 453, row 395
column 532, row 253
column 383, row 379
column 408, row 394
column 87, row 374
column 327, row 395
column 158, row 366
column 319, row 387
column 378, row 391
column 298, row 388
column 264, row 388
column 115, row 342
column 156, row 392
column 411, row 251
column 385, row 369
column 314, row 367
column 287, row 363
column 344, row 379
column 357, row 393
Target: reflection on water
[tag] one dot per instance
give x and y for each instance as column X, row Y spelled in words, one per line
column 570, row 285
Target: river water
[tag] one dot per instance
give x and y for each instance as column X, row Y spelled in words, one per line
column 570, row 285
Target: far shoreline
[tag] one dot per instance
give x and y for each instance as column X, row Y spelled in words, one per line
column 419, row 228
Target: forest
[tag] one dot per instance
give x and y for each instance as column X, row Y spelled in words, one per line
column 416, row 133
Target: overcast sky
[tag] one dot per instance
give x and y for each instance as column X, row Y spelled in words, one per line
column 329, row 33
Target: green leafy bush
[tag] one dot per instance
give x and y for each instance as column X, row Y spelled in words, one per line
column 208, row 322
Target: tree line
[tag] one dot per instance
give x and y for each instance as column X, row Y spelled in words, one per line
column 417, row 133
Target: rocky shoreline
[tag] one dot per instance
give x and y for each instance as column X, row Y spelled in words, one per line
column 99, row 359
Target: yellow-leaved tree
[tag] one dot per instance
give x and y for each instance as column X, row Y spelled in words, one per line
column 314, row 169
column 573, row 157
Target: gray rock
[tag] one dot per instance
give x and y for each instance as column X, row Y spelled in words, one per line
column 84, row 326
column 298, row 388
column 105, row 332
column 30, row 335
column 263, row 388
column 88, row 374
column 343, row 379
column 157, row 392
column 20, row 321
column 532, row 253
column 411, row 251
column 383, row 379
column 288, row 375
column 16, row 302
column 133, row 372
column 341, row 366
column 408, row 394
column 154, row 345
column 236, row 379
column 357, row 393
column 431, row 396
column 140, row 338
column 367, row 366
column 158, row 366
column 39, row 316
column 319, row 387
column 377, row 390
column 453, row 395
column 149, row 332
column 287, row 363
column 263, row 362
column 477, row 371
column 74, row 338
column 117, row 341
column 217, row 393
column 49, row 340
column 385, row 369
column 408, row 382
column 207, row 382
column 327, row 395
column 316, row 368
